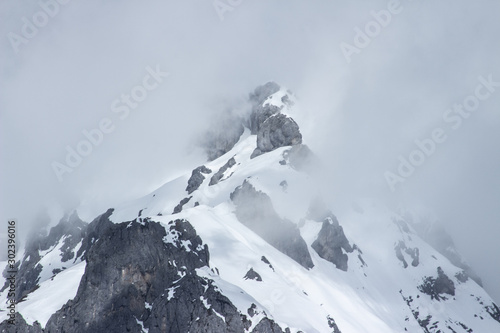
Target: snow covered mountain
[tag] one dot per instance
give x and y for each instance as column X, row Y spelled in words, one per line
column 244, row 243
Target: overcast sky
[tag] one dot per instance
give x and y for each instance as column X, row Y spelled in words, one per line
column 365, row 99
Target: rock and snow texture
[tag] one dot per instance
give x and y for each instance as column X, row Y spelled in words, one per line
column 250, row 248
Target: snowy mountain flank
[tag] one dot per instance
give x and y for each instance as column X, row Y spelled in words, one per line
column 244, row 243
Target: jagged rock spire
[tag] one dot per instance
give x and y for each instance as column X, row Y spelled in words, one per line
column 265, row 119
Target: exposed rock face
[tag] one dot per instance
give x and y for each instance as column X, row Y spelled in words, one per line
column 264, row 260
column 73, row 228
column 259, row 112
column 255, row 210
column 252, row 275
column 197, row 178
column 94, row 231
column 493, row 311
column 267, row 326
column 219, row 174
column 399, row 253
column 178, row 208
column 436, row 287
column 20, row 326
column 28, row 276
column 422, row 320
column 414, row 253
column 277, row 131
column 330, row 242
column 140, row 275
column 333, row 325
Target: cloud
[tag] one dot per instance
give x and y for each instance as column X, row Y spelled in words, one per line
column 359, row 116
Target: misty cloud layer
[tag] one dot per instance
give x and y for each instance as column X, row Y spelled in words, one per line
column 360, row 113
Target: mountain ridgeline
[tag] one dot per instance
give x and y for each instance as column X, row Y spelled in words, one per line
column 245, row 244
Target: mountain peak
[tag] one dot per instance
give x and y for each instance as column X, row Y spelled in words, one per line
column 266, row 117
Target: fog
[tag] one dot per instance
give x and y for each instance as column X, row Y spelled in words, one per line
column 363, row 105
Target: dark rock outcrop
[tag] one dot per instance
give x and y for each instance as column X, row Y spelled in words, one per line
column 69, row 231
column 436, row 287
column 333, row 325
column 20, row 326
column 264, row 260
column 94, row 231
column 259, row 112
column 399, row 253
column 267, row 325
column 277, row 131
column 219, row 174
column 197, row 178
column 72, row 229
column 255, row 210
column 330, row 243
column 414, row 253
column 178, row 208
column 252, row 275
column 141, row 275
column 493, row 311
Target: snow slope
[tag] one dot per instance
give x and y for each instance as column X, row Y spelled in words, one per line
column 389, row 285
column 369, row 297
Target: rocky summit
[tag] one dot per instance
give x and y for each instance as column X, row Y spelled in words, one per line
column 245, row 243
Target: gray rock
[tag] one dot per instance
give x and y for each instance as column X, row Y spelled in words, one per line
column 251, row 310
column 493, row 311
column 255, row 210
column 265, row 261
column 134, row 264
column 252, row 275
column 277, row 131
column 267, row 325
column 28, row 275
column 197, row 178
column 261, row 93
column 20, row 326
column 219, row 174
column 330, row 243
column 260, row 113
column 415, row 255
column 137, row 277
column 94, row 231
column 178, row 208
column 399, row 253
column 333, row 325
column 436, row 287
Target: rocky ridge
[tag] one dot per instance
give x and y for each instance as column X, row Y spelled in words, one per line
column 249, row 249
